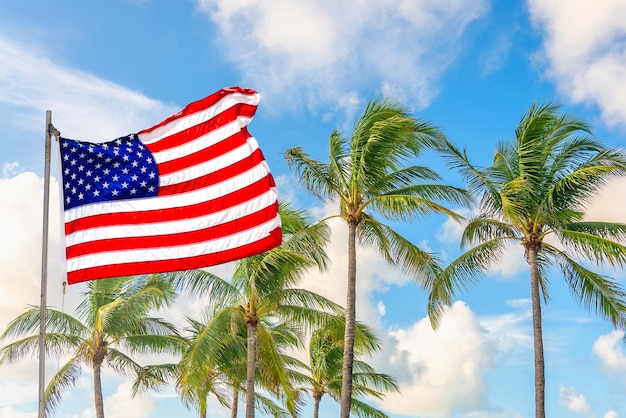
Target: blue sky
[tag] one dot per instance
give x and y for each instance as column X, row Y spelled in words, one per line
column 472, row 67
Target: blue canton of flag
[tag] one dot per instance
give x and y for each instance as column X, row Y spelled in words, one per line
column 114, row 170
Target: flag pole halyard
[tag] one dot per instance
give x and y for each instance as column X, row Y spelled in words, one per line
column 50, row 130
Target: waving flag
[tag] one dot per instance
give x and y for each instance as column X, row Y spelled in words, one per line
column 190, row 192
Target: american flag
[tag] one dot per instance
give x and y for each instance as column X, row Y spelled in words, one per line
column 190, row 192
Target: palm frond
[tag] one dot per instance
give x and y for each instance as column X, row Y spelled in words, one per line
column 65, row 378
column 419, row 201
column 403, row 177
column 122, row 364
column 478, row 182
column 154, row 377
column 267, row 406
column 363, row 410
column 204, row 283
column 595, row 292
column 460, row 274
column 483, row 228
column 155, row 343
column 313, row 175
column 422, row 266
column 597, row 241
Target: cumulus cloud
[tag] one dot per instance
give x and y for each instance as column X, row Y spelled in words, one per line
column 20, row 253
column 572, row 400
column 122, row 405
column 585, row 50
column 442, row 385
column 315, row 49
column 609, row 349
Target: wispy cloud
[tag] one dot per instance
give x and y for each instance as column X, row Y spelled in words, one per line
column 84, row 106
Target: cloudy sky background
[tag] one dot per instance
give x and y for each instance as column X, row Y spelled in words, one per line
column 473, row 67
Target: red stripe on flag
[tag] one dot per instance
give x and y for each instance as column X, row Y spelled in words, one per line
column 170, row 240
column 180, row 138
column 204, row 154
column 202, row 104
column 183, row 263
column 214, row 178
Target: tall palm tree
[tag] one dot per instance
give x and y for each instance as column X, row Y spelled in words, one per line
column 366, row 174
column 325, row 368
column 113, row 317
column 262, row 300
column 539, row 186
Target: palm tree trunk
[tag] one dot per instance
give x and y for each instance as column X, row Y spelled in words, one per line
column 97, row 389
column 348, row 353
column 316, row 405
column 251, row 325
column 540, row 380
column 235, row 404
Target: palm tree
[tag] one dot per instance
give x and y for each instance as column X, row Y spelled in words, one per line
column 197, row 378
column 216, row 364
column 113, row 317
column 366, row 175
column 262, row 300
column 325, row 368
column 539, row 186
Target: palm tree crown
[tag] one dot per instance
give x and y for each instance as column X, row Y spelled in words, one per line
column 325, row 368
column 539, row 186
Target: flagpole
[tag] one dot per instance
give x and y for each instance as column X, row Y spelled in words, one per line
column 44, row 260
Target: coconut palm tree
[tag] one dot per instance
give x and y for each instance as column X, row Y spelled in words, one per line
column 263, row 303
column 325, row 368
column 216, row 364
column 539, row 187
column 366, row 175
column 113, row 318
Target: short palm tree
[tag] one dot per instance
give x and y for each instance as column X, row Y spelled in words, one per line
column 262, row 300
column 215, row 363
column 198, row 374
column 113, row 318
column 538, row 187
column 325, row 368
column 367, row 175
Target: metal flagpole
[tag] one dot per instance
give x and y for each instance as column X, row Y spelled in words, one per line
column 44, row 260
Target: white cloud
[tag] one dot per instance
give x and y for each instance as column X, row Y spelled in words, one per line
column 83, row 106
column 122, row 405
column 609, row 349
column 611, row 414
column 574, row 401
column 10, row 412
column 315, row 50
column 585, row 47
column 14, row 393
column 451, row 231
column 441, row 385
column 21, row 220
